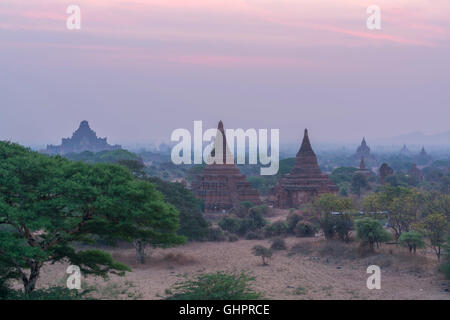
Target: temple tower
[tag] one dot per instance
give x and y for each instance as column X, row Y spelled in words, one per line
column 305, row 181
column 221, row 185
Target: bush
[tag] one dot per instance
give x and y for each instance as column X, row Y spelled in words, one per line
column 216, row 286
column 230, row 224
column 292, row 220
column 255, row 217
column 243, row 209
column 251, row 222
column 253, row 235
column 278, row 228
column 304, row 229
column 52, row 293
column 278, row 244
column 263, row 252
column 216, row 235
column 371, row 232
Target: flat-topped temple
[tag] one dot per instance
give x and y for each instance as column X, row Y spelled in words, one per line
column 83, row 139
column 304, row 182
column 221, row 186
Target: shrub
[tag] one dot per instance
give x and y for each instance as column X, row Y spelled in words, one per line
column 412, row 240
column 292, row 220
column 278, row 228
column 216, row 235
column 278, row 244
column 52, row 293
column 254, row 235
column 244, row 208
column 251, row 222
column 263, row 252
column 216, row 286
column 255, row 217
column 230, row 224
column 371, row 232
column 304, row 229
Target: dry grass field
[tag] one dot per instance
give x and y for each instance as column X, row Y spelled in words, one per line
column 310, row 268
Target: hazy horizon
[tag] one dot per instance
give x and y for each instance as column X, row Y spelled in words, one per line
column 139, row 69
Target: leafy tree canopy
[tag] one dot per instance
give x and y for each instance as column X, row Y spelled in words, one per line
column 49, row 203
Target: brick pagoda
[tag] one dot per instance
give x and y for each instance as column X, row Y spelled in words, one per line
column 221, row 186
column 304, row 182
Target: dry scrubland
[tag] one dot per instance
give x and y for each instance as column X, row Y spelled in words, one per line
column 310, row 268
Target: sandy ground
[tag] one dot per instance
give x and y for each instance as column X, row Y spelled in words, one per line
column 304, row 275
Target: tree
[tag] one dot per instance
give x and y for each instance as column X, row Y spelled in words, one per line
column 49, row 203
column 154, row 221
column 359, row 181
column 446, row 265
column 342, row 174
column 412, row 240
column 435, row 228
column 192, row 223
column 401, row 204
column 135, row 166
column 263, row 252
column 371, row 232
column 445, row 184
column 343, row 224
column 331, row 224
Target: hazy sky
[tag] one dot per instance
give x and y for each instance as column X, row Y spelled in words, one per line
column 138, row 69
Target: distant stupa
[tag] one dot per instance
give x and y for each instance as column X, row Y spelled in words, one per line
column 404, row 151
column 423, row 157
column 304, row 182
column 83, row 139
column 363, row 151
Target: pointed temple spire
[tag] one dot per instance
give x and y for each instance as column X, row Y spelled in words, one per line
column 221, row 186
column 304, row 182
column 227, row 155
column 306, row 145
column 306, row 160
column 363, row 151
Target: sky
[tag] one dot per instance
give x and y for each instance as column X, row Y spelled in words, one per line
column 138, row 69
